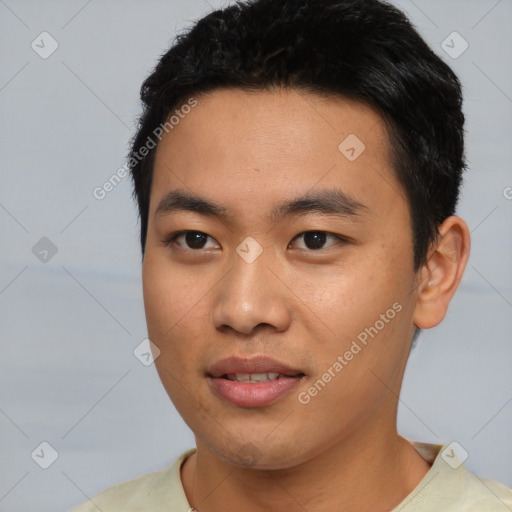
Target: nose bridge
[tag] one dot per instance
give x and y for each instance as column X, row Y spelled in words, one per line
column 250, row 294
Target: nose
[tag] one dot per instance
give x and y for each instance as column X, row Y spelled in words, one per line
column 251, row 297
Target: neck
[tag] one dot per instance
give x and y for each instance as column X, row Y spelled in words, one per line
column 366, row 472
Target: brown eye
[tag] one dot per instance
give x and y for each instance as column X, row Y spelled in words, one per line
column 315, row 240
column 195, row 240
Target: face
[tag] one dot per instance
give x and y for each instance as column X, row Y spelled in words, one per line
column 278, row 274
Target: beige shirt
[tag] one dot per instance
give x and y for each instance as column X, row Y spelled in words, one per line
column 447, row 487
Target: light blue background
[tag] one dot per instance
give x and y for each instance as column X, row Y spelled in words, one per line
column 68, row 375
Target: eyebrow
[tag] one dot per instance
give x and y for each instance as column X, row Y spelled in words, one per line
column 328, row 202
column 178, row 200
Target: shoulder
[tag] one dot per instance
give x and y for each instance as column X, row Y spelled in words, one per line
column 449, row 486
column 155, row 491
column 481, row 494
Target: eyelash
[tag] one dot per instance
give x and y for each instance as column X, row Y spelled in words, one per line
column 171, row 240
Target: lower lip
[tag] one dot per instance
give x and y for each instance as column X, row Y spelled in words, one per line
column 245, row 394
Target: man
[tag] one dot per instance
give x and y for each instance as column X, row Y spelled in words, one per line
column 297, row 230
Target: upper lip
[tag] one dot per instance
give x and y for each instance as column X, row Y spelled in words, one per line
column 261, row 364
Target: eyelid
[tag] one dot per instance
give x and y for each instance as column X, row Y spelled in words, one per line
column 340, row 238
column 170, row 240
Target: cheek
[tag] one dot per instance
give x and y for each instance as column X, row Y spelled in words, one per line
column 172, row 309
column 169, row 296
column 174, row 316
column 343, row 299
column 363, row 313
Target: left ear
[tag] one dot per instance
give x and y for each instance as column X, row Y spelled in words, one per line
column 440, row 276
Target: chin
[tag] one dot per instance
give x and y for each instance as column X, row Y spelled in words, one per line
column 259, row 454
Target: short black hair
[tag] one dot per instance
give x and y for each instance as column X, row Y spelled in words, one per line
column 364, row 50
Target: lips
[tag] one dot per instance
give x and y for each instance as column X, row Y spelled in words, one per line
column 254, row 382
column 238, row 365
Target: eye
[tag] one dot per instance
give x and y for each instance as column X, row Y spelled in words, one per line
column 315, row 240
column 195, row 240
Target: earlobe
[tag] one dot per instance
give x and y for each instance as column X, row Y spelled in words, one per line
column 441, row 274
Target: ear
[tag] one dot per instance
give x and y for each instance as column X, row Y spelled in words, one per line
column 440, row 276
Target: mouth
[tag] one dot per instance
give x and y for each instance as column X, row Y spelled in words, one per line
column 254, row 382
column 258, row 377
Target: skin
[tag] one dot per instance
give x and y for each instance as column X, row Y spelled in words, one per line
column 249, row 151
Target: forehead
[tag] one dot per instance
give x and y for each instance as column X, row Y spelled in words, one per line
column 255, row 147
